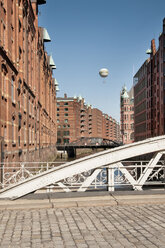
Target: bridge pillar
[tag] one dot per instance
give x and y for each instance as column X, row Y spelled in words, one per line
column 71, row 152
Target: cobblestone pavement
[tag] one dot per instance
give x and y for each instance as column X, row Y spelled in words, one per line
column 117, row 227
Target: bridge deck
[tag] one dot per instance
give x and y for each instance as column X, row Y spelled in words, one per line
column 107, row 157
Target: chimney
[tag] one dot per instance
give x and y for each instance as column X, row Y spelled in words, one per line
column 65, row 95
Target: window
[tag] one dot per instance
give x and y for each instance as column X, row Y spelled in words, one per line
column 13, row 129
column 66, row 141
column 132, row 136
column 24, row 133
column 33, row 134
column 66, row 103
column 5, row 133
column 20, row 26
column 66, row 109
column 20, row 52
column 58, row 121
column 58, row 114
column 4, row 80
column 30, row 136
column 66, row 121
column 58, row 141
column 19, row 121
column 66, row 114
column 32, row 108
column 66, row 133
column 29, row 102
column 58, row 109
column 3, row 84
column 3, row 35
column 12, row 90
column 24, row 100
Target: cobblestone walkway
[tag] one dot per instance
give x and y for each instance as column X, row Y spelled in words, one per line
column 117, row 227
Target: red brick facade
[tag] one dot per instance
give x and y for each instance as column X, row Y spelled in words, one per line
column 151, row 97
column 140, row 104
column 111, row 128
column 27, row 90
column 155, row 122
column 76, row 120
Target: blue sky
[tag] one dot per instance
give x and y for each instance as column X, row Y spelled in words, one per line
column 87, row 35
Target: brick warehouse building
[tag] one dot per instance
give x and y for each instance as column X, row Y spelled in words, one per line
column 151, row 79
column 27, row 90
column 75, row 120
column 140, row 103
column 111, row 128
column 127, row 115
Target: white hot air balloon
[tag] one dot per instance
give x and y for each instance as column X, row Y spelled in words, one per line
column 103, row 72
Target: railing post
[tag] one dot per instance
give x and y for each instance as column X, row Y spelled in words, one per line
column 110, row 179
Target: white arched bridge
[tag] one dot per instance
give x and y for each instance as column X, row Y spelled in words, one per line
column 105, row 168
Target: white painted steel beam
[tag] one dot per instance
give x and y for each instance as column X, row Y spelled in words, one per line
column 128, row 176
column 64, row 187
column 111, row 178
column 89, row 180
column 147, row 171
column 94, row 161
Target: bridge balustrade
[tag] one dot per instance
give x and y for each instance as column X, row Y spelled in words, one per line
column 103, row 178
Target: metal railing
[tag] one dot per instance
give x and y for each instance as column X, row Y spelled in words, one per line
column 108, row 177
column 111, row 177
column 12, row 173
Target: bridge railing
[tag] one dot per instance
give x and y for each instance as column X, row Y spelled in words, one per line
column 127, row 173
column 123, row 174
column 14, row 172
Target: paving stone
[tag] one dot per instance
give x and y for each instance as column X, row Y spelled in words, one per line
column 143, row 226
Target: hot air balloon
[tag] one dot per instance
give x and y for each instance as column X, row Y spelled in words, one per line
column 103, row 72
